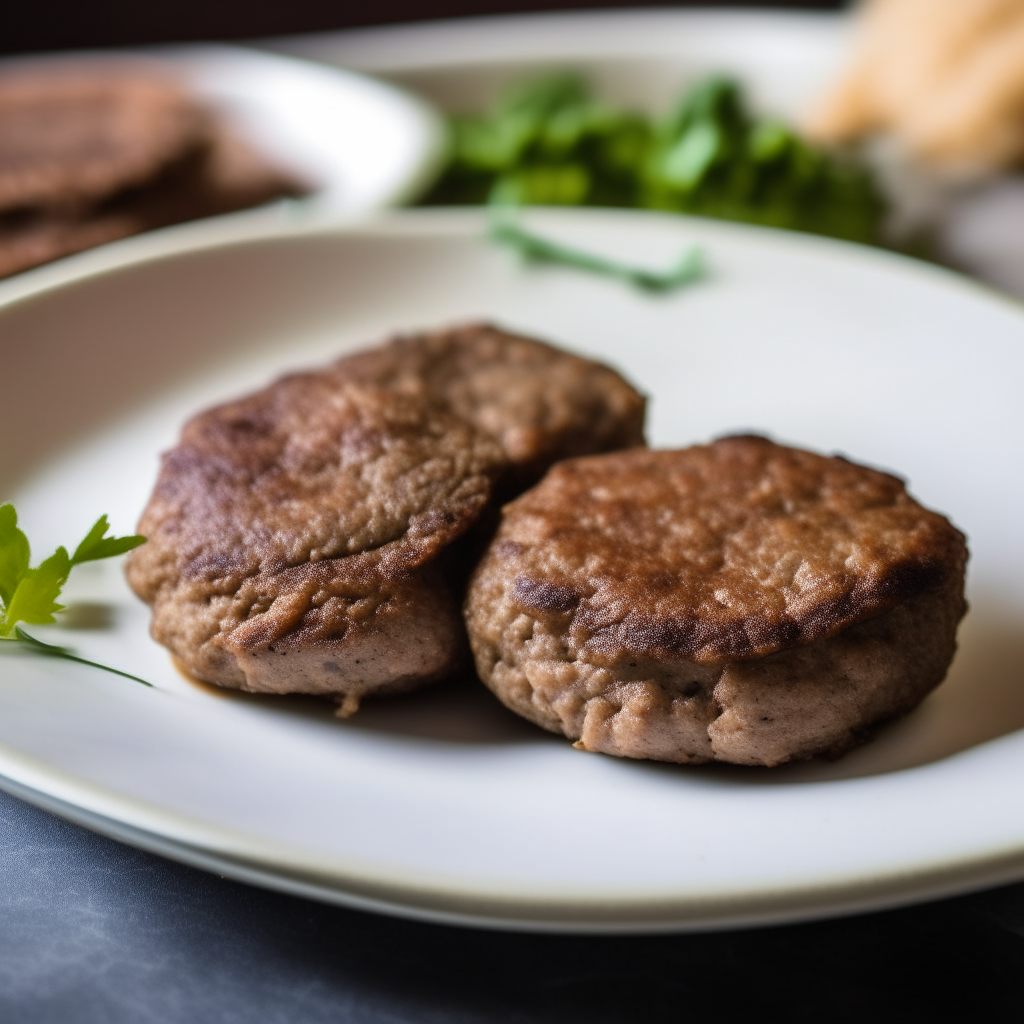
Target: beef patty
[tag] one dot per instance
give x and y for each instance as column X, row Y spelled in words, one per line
column 539, row 402
column 739, row 601
column 295, row 539
column 72, row 137
column 92, row 151
column 300, row 539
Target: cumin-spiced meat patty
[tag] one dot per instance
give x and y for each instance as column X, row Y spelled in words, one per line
column 739, row 601
column 539, row 402
column 296, row 535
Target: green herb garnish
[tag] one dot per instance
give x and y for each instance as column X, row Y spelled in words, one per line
column 30, row 595
column 712, row 157
column 550, row 143
column 689, row 268
column 546, row 143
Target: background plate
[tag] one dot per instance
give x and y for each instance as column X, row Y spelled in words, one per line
column 360, row 143
column 442, row 804
column 645, row 58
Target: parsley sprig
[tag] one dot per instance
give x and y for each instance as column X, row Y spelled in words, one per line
column 29, row 595
column 537, row 249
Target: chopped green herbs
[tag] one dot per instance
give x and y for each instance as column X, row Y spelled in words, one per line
column 712, row 157
column 30, row 595
column 689, row 268
column 547, row 143
column 551, row 143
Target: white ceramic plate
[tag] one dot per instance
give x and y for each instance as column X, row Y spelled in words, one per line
column 641, row 57
column 442, row 804
column 645, row 58
column 361, row 144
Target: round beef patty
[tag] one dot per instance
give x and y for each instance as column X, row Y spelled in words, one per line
column 540, row 403
column 738, row 601
column 297, row 539
column 72, row 137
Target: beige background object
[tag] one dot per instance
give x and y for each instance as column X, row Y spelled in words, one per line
column 945, row 76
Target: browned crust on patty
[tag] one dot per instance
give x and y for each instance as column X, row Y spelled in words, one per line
column 731, row 550
column 539, row 402
column 738, row 601
column 223, row 176
column 314, row 521
column 308, row 519
column 97, row 153
column 70, row 137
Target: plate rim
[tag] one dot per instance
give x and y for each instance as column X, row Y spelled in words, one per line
column 43, row 785
column 22, row 777
column 235, row 229
column 548, row 35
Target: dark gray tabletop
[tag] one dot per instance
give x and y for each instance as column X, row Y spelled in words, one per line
column 94, row 931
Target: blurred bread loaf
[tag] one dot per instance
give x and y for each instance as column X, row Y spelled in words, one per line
column 945, row 77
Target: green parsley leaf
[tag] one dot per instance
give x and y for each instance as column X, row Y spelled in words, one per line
column 30, row 595
column 35, row 598
column 97, row 545
column 14, row 553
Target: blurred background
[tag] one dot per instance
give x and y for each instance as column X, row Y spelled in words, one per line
column 60, row 24
column 936, row 137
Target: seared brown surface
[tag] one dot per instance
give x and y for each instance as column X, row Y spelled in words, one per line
column 541, row 403
column 730, row 550
column 69, row 138
column 223, row 176
column 312, row 520
column 304, row 523
column 737, row 601
column 97, row 151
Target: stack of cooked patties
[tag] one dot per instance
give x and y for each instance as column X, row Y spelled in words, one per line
column 739, row 601
column 312, row 537
column 93, row 152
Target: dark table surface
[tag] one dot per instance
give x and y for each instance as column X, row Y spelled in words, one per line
column 94, row 931
column 60, row 24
